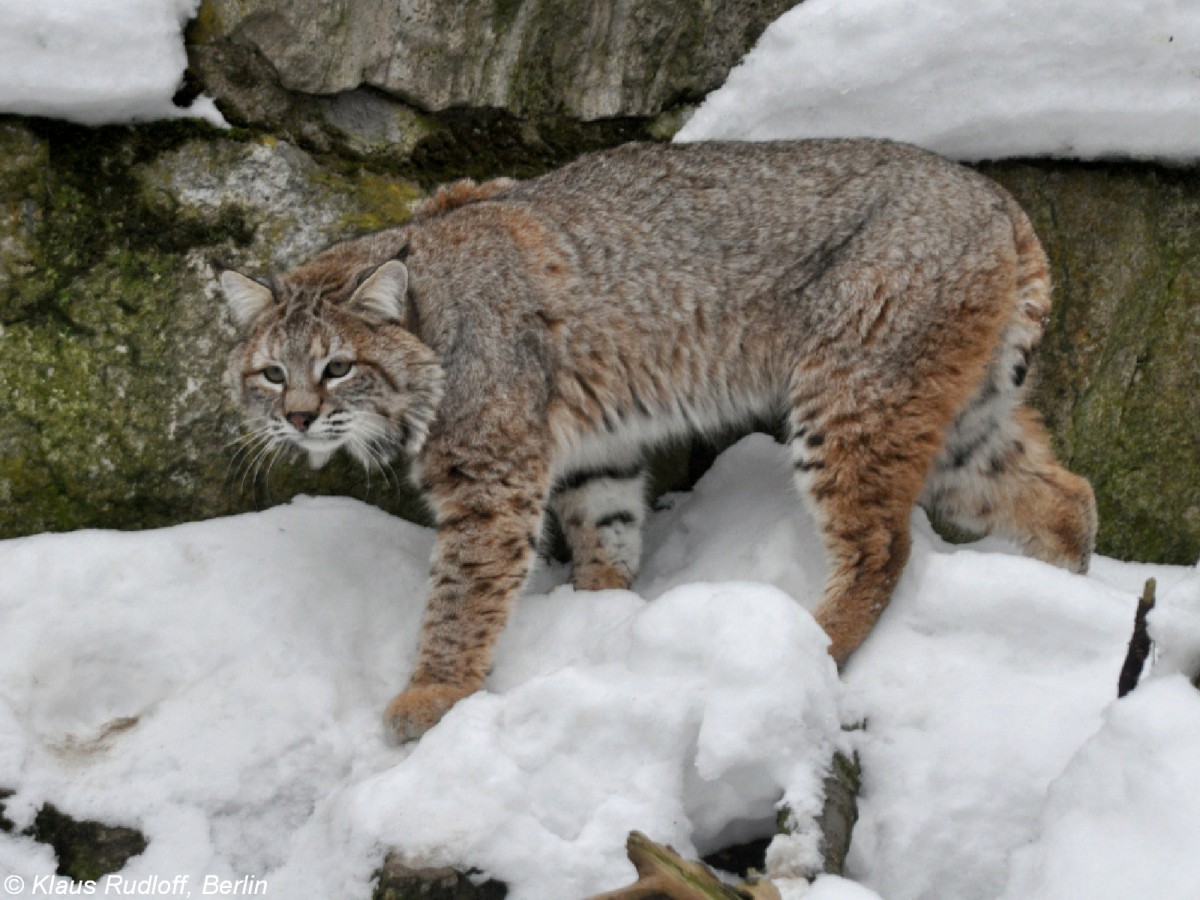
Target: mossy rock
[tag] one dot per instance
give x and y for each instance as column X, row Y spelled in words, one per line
column 530, row 58
column 113, row 338
column 86, row 851
column 24, row 157
column 1118, row 381
column 397, row 881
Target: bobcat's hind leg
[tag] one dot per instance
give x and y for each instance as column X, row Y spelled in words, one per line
column 1007, row 482
column 601, row 511
column 861, row 478
column 997, row 472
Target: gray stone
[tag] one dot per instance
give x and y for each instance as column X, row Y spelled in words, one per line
column 530, row 57
column 369, row 124
column 296, row 206
column 397, row 881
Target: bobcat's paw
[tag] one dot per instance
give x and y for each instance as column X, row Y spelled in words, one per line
column 414, row 711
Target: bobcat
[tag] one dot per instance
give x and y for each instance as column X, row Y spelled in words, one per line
column 522, row 341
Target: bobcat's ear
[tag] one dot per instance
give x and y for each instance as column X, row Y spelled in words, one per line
column 382, row 294
column 248, row 299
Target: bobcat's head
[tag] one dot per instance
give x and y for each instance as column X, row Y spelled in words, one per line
column 328, row 362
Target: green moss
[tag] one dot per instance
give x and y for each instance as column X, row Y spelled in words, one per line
column 380, row 202
column 80, row 329
column 504, row 14
column 82, row 202
column 86, row 851
column 489, row 142
column 207, row 25
column 114, row 418
column 1118, row 383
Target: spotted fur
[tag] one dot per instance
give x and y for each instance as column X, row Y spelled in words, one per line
column 523, row 342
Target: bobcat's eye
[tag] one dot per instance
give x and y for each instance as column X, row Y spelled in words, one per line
column 338, row 368
column 274, row 374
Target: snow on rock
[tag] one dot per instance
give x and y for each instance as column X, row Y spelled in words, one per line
column 96, row 61
column 985, row 79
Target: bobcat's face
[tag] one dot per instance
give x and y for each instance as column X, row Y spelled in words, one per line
column 319, row 371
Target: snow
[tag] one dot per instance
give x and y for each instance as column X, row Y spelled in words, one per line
column 96, row 61
column 218, row 685
column 978, row 80
column 1112, row 829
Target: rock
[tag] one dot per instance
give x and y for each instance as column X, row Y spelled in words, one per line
column 396, row 881
column 23, row 157
column 112, row 343
column 6, row 824
column 293, row 206
column 840, row 811
column 86, row 851
column 436, row 92
column 1118, row 382
column 530, row 57
column 113, row 338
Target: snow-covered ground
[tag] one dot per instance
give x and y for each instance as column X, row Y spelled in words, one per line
column 245, row 662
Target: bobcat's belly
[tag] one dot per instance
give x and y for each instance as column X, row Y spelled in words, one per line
column 624, row 437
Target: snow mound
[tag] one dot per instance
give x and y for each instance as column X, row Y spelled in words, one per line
column 219, row 686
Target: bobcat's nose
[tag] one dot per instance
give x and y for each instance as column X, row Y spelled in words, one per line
column 301, row 420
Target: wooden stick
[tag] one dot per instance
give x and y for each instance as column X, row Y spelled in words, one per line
column 1139, row 643
column 665, row 875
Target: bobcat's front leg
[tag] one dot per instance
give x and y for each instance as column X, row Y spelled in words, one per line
column 489, row 518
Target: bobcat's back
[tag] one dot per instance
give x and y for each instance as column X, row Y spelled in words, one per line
column 666, row 285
